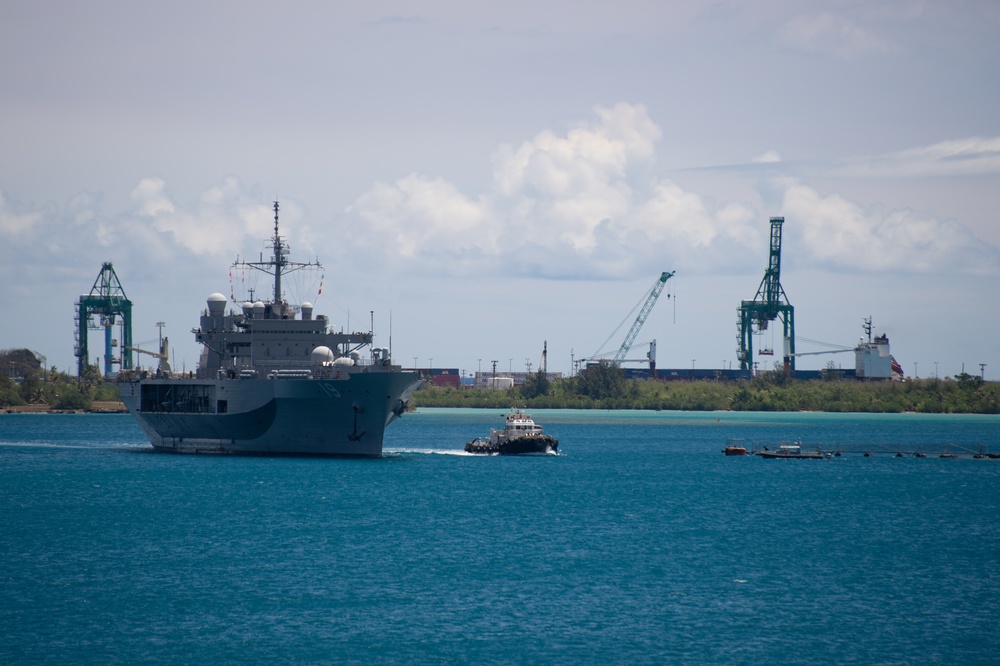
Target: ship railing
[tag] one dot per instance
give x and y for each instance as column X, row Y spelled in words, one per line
column 298, row 373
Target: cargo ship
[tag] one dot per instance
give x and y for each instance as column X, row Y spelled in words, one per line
column 272, row 379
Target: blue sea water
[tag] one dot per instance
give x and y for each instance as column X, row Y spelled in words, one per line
column 640, row 543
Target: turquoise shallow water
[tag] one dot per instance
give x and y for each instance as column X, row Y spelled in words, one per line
column 640, row 543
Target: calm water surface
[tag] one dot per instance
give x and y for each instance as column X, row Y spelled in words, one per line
column 640, row 543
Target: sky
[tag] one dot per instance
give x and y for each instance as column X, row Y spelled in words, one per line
column 480, row 180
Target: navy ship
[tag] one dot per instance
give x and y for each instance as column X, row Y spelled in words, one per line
column 272, row 380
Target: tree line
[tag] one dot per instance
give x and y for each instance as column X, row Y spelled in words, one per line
column 604, row 386
column 25, row 380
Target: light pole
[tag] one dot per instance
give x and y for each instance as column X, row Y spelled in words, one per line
column 935, row 370
column 915, row 375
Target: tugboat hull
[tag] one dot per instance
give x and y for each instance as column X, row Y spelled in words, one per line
column 527, row 445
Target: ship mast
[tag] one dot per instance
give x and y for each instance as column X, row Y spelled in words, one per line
column 280, row 250
column 278, row 263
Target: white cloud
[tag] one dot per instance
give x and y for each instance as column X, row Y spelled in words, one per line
column 582, row 204
column 832, row 34
column 559, row 205
column 957, row 157
column 224, row 215
column 421, row 217
column 839, row 234
column 770, row 157
column 15, row 224
column 150, row 198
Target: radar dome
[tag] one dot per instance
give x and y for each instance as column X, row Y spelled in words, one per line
column 216, row 304
column 258, row 309
column 321, row 354
column 307, row 310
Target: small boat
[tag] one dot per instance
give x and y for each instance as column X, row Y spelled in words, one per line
column 791, row 451
column 520, row 436
column 735, row 447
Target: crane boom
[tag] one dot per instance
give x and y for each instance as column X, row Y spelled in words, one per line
column 163, row 354
column 654, row 294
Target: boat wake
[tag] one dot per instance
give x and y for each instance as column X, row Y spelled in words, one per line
column 459, row 452
column 443, row 452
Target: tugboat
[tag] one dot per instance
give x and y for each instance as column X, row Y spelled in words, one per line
column 520, row 436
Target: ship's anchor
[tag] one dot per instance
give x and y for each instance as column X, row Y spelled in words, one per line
column 356, row 436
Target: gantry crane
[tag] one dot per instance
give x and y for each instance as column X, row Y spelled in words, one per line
column 106, row 299
column 769, row 304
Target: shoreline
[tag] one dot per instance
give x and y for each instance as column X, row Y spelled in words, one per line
column 98, row 407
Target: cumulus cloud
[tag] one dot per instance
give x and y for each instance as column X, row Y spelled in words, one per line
column 150, row 197
column 841, row 234
column 770, row 157
column 224, row 215
column 582, row 204
column 422, row 216
column 560, row 206
column 579, row 204
column 16, row 224
column 153, row 237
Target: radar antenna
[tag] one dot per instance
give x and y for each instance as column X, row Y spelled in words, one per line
column 278, row 264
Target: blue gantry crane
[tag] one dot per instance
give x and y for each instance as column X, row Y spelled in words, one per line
column 768, row 304
column 106, row 300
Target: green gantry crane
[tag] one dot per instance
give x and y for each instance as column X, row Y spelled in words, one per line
column 106, row 299
column 769, row 304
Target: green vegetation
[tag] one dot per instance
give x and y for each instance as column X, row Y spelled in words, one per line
column 605, row 387
column 24, row 380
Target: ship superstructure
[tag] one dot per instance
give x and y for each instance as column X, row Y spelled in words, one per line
column 273, row 379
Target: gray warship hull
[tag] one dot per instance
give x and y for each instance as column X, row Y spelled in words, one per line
column 317, row 417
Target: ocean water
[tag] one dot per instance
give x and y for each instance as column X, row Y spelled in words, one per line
column 640, row 543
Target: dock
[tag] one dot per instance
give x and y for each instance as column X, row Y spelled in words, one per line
column 736, row 446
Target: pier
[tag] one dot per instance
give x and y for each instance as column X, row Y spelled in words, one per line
column 736, row 446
